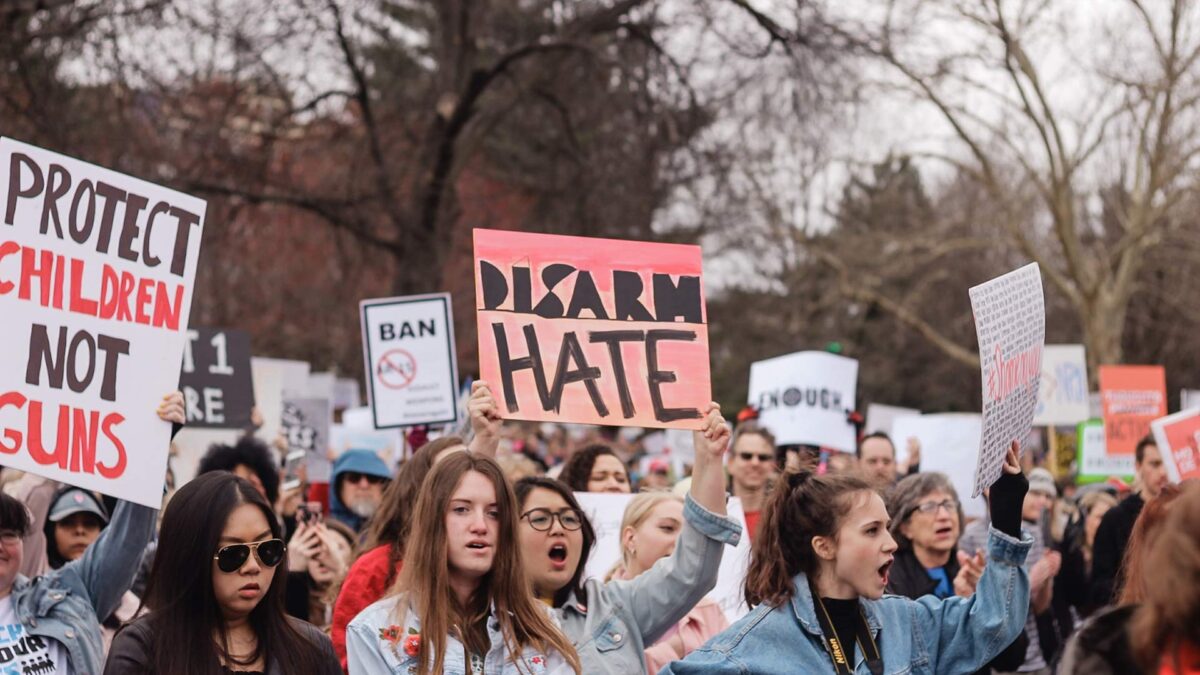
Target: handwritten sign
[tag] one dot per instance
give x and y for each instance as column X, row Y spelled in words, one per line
column 1095, row 462
column 412, row 367
column 804, row 398
column 593, row 331
column 1010, row 322
column 96, row 280
column 605, row 511
column 1178, row 439
column 1063, row 395
column 305, row 427
column 218, row 391
column 1132, row 397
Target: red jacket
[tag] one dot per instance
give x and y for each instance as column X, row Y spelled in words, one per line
column 365, row 583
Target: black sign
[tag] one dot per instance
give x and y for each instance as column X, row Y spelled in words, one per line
column 217, row 389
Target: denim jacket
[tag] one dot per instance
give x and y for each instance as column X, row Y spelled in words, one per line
column 927, row 635
column 376, row 644
column 64, row 604
column 612, row 627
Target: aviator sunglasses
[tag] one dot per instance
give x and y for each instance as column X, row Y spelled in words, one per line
column 231, row 558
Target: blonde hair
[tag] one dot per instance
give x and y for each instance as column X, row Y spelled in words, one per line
column 636, row 513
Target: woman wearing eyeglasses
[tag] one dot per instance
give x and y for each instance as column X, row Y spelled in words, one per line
column 927, row 520
column 612, row 623
column 215, row 595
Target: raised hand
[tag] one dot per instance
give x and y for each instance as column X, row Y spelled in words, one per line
column 712, row 440
column 171, row 408
column 485, row 419
column 970, row 569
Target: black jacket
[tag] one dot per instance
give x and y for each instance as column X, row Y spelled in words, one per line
column 1101, row 646
column 1112, row 537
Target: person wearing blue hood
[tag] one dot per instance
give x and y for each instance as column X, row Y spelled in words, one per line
column 359, row 478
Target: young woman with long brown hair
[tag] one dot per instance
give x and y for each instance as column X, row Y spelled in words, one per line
column 817, row 575
column 462, row 604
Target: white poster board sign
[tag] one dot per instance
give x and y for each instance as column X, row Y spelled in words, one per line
column 411, row 364
column 1010, row 322
column 273, row 377
column 1189, row 398
column 880, row 418
column 804, row 398
column 948, row 444
column 605, row 511
column 97, row 271
column 1063, row 394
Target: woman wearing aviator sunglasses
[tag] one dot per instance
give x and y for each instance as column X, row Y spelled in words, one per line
column 215, row 595
column 612, row 623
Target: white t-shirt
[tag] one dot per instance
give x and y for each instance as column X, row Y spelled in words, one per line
column 22, row 654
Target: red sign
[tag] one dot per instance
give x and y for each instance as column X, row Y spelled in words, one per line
column 1132, row 397
column 1178, row 438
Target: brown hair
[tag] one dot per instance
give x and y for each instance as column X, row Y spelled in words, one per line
column 1170, row 611
column 578, row 470
column 801, row 506
column 1142, row 539
column 390, row 523
column 425, row 577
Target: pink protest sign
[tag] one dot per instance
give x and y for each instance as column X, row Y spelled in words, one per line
column 1178, row 439
column 594, row 331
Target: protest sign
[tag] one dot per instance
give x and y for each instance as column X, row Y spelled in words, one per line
column 880, row 417
column 1095, row 462
column 1178, row 439
column 305, row 427
column 804, row 398
column 218, row 391
column 605, row 511
column 596, row 331
column 948, row 442
column 412, row 368
column 357, row 432
column 1063, row 394
column 96, row 281
column 1132, row 397
column 1010, row 322
column 272, row 377
column 1189, row 398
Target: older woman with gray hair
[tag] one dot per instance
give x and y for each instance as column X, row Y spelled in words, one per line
column 926, row 521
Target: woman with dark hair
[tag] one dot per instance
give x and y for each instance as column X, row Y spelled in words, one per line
column 1156, row 628
column 816, row 581
column 612, row 623
column 379, row 560
column 249, row 458
column 215, row 596
column 595, row 468
column 462, row 605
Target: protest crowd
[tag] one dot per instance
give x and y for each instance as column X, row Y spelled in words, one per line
column 513, row 530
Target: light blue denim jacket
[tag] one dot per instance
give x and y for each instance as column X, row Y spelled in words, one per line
column 613, row 625
column 65, row 604
column 927, row 635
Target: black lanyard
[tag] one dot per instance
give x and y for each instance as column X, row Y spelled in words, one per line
column 836, row 647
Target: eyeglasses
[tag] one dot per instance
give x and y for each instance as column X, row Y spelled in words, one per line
column 931, row 507
column 231, row 558
column 543, row 519
column 9, row 537
column 356, row 477
column 750, row 456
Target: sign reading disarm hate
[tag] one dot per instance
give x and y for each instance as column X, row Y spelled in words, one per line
column 96, row 279
column 597, row 331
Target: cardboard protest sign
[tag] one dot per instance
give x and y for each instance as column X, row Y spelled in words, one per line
column 596, row 331
column 412, row 368
column 96, row 281
column 880, row 417
column 947, row 443
column 1010, row 322
column 218, row 390
column 1132, row 397
column 305, row 426
column 1063, row 395
column 804, row 398
column 605, row 511
column 1095, row 462
column 1178, row 439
